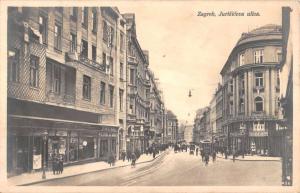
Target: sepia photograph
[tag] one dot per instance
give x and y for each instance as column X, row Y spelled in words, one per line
column 149, row 94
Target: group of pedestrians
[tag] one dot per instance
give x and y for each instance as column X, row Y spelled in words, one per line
column 58, row 164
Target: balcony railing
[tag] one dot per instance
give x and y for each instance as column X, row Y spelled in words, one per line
column 74, row 56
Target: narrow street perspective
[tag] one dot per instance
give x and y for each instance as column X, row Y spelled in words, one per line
column 122, row 96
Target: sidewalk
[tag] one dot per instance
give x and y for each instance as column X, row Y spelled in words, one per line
column 250, row 158
column 31, row 178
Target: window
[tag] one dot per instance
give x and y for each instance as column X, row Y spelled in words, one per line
column 43, row 28
column 103, row 58
column 241, row 105
column 111, row 66
column 278, row 56
column 121, row 93
column 258, row 104
column 15, row 66
column 105, row 32
column 84, row 48
column 73, row 13
column 94, row 53
column 84, row 17
column 59, row 9
column 230, row 107
column 242, row 84
column 57, row 37
column 111, row 36
column 102, row 93
column 94, row 20
column 111, row 96
column 73, row 38
column 242, row 59
column 278, row 78
column 34, row 71
column 121, row 71
column 259, row 56
column 86, row 90
column 259, row 79
column 131, row 76
column 122, row 42
column 56, row 79
column 231, row 86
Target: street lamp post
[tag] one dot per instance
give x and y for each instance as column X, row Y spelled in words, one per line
column 45, row 136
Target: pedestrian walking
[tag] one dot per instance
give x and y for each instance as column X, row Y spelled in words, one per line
column 214, row 155
column 111, row 159
column 61, row 164
column 206, row 159
column 154, row 154
column 55, row 164
column 133, row 160
column 233, row 157
column 123, row 155
column 202, row 155
column 226, row 153
column 128, row 156
column 197, row 151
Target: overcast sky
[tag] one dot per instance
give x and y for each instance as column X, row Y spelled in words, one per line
column 187, row 51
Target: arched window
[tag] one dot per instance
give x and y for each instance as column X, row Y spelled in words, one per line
column 258, row 104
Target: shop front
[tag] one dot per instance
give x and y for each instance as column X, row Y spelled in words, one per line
column 33, row 140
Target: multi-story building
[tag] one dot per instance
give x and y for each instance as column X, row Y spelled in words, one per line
column 202, row 128
column 172, row 127
column 64, row 90
column 138, row 88
column 221, row 134
column 157, row 111
column 251, row 90
column 188, row 133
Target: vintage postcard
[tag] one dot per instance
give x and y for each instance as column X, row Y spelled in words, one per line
column 150, row 96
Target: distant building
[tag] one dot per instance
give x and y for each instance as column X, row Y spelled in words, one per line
column 188, row 133
column 172, row 127
column 202, row 127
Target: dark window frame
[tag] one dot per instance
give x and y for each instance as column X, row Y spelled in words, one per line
column 34, row 71
column 86, row 87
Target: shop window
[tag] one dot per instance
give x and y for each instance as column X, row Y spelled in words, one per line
column 111, row 95
column 103, row 147
column 86, row 147
column 102, row 93
column 73, row 148
column 43, row 24
column 258, row 56
column 34, row 71
column 113, row 146
column 86, row 90
column 258, row 104
column 259, row 79
column 57, row 36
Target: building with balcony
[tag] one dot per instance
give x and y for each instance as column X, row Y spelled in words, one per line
column 138, row 89
column 250, row 90
column 65, row 94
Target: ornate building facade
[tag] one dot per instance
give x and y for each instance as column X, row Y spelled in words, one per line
column 251, row 91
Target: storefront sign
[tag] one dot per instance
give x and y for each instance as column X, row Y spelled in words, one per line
column 61, row 133
column 258, row 134
column 37, row 162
